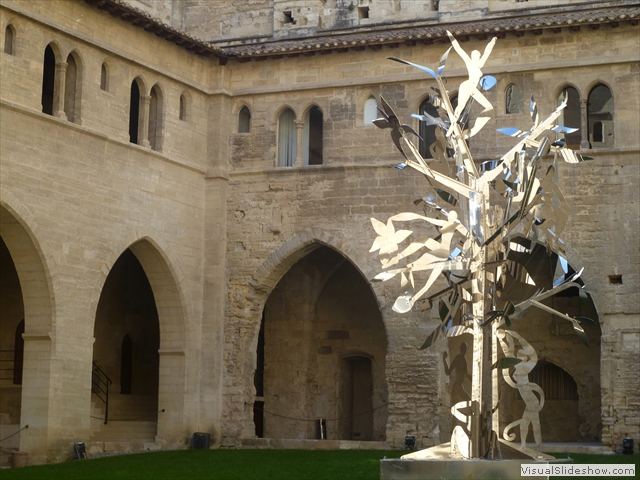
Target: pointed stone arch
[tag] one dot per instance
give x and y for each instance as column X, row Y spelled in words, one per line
column 18, row 230
column 166, row 282
column 329, row 299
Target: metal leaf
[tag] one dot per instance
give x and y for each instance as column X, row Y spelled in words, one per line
column 580, row 332
column 424, row 69
column 447, row 197
column 586, row 320
column 432, row 337
column 443, row 61
column 506, row 362
column 443, row 311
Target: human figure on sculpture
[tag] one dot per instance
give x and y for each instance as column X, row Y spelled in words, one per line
column 469, row 88
column 460, row 399
column 459, row 366
column 531, row 393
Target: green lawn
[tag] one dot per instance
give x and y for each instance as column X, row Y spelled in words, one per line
column 218, row 465
column 242, row 465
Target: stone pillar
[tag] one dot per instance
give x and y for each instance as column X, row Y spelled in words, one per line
column 300, row 131
column 143, row 121
column 584, row 126
column 58, row 90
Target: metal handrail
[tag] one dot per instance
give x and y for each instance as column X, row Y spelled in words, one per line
column 100, row 382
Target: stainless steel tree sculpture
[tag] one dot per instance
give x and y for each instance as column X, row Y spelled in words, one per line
column 498, row 247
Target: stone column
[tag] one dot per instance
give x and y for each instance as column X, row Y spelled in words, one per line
column 300, row 130
column 143, row 121
column 584, row 126
column 58, row 90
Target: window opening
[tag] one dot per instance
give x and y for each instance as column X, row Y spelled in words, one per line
column 9, row 36
column 288, row 17
column 370, row 110
column 600, row 116
column 48, row 78
column 570, row 116
column 244, row 120
column 70, row 89
column 312, row 137
column 287, row 139
column 104, row 79
column 134, row 112
column 183, row 107
column 363, row 12
column 427, row 132
column 155, row 119
column 513, row 99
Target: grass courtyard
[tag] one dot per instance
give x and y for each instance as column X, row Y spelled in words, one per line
column 244, row 465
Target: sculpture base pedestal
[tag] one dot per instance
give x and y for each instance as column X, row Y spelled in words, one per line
column 436, row 463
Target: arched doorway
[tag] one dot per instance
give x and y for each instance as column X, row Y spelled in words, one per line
column 321, row 325
column 356, row 398
column 11, row 341
column 127, row 340
column 27, row 319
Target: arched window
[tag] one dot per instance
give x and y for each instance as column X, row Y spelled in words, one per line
column 134, row 112
column 513, row 99
column 48, row 80
column 312, row 137
column 244, row 120
column 287, row 138
column 71, row 90
column 555, row 382
column 155, row 118
column 183, row 107
column 600, row 116
column 370, row 110
column 570, row 116
column 9, row 39
column 104, row 78
column 428, row 133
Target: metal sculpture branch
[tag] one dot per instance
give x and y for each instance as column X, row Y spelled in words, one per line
column 498, row 244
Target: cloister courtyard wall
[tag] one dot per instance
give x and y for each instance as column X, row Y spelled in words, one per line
column 176, row 184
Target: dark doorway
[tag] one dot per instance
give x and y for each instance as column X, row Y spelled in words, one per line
column 322, row 312
column 11, row 341
column 126, row 365
column 258, row 382
column 18, row 354
column 357, row 398
column 127, row 334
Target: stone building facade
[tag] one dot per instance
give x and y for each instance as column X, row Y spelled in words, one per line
column 186, row 194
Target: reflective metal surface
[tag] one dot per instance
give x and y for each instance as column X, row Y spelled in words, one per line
column 493, row 231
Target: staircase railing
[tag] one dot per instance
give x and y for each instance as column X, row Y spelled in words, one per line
column 100, row 382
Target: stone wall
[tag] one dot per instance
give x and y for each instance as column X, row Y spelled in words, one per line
column 76, row 195
column 216, row 225
column 356, row 182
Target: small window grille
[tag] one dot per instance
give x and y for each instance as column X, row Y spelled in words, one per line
column 555, row 382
